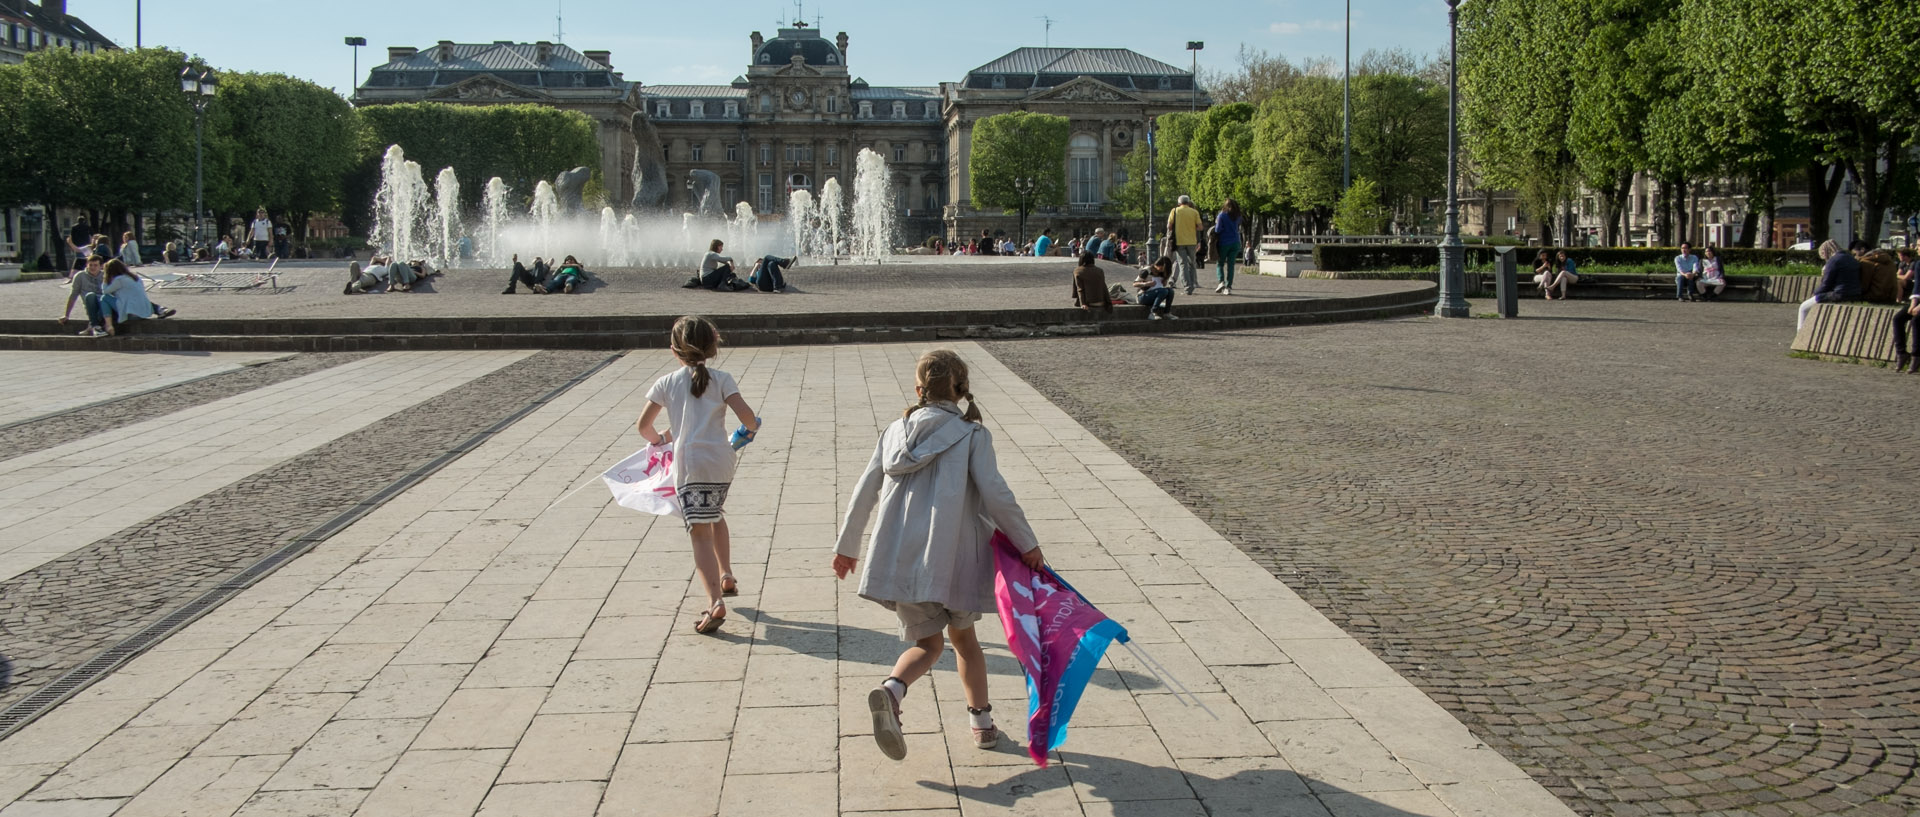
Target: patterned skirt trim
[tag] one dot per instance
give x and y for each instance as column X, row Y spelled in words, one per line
column 703, row 502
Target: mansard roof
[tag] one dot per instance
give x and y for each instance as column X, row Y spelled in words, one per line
column 1079, row 61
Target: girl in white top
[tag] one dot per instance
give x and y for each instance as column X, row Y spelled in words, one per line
column 940, row 496
column 696, row 400
column 1712, row 275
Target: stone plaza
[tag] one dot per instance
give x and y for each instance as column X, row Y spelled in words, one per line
column 1615, row 557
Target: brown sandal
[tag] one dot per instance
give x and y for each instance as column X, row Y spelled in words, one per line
column 729, row 586
column 709, row 622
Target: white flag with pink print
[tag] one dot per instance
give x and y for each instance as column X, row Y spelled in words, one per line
column 644, row 481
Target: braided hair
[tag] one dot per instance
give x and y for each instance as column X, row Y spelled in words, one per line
column 942, row 376
column 694, row 341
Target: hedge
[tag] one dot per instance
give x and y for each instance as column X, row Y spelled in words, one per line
column 1357, row 257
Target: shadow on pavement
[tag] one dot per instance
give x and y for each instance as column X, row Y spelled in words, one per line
column 1137, row 790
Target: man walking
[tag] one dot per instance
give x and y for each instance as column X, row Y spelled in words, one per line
column 262, row 235
column 1183, row 227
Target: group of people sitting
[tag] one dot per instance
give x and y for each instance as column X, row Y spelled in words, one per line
column 716, row 272
column 382, row 272
column 543, row 279
column 1859, row 273
column 111, row 294
column 1150, row 289
column 1698, row 277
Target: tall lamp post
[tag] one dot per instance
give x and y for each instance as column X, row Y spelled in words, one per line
column 1453, row 278
column 1152, row 179
column 1346, row 104
column 198, row 86
column 356, row 43
column 1194, row 47
column 1024, row 186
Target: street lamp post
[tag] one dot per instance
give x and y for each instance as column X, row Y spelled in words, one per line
column 1346, row 104
column 1453, row 279
column 356, row 43
column 199, row 89
column 1024, row 186
column 1194, row 46
column 1152, row 179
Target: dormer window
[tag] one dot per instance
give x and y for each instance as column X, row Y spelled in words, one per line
column 662, row 109
column 765, row 58
column 698, row 110
column 866, row 110
column 899, row 110
column 1166, row 83
column 999, row 81
column 833, row 59
column 933, row 109
column 733, row 109
column 579, row 80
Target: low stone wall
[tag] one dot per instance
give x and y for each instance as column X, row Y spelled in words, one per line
column 1786, row 289
column 1851, row 331
column 1477, row 284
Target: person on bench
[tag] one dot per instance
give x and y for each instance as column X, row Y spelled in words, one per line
column 1839, row 280
column 1906, row 315
column 1686, row 272
column 1712, row 275
column 1568, row 275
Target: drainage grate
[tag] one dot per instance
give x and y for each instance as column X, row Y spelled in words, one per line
column 43, row 700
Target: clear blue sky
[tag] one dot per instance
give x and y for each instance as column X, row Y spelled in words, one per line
column 706, row 42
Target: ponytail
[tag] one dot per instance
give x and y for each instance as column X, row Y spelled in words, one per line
column 942, row 375
column 700, row 378
column 973, row 409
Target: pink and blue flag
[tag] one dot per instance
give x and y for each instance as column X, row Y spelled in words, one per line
column 1057, row 636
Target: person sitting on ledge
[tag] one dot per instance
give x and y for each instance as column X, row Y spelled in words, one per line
column 1713, row 275
column 716, row 271
column 766, row 274
column 1563, row 280
column 1839, row 280
column 568, row 276
column 124, row 298
column 1906, row 315
column 1155, row 295
column 1090, row 286
column 535, row 279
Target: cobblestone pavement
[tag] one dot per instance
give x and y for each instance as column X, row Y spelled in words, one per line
column 59, row 614
column 40, row 384
column 60, row 429
column 965, row 286
column 1633, row 546
column 474, row 647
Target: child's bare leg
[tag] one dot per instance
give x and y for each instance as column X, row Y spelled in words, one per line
column 723, row 547
column 918, row 660
column 973, row 665
column 705, row 562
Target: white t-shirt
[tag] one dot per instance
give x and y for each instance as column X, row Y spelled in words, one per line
column 700, row 450
column 262, row 230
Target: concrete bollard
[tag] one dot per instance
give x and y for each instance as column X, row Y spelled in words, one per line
column 1506, row 283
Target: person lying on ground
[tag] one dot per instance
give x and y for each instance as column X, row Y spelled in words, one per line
column 767, row 271
column 568, row 276
column 535, row 279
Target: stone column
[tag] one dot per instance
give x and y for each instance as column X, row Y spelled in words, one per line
column 1106, row 162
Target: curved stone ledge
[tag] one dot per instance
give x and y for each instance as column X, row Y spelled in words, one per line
column 1851, row 331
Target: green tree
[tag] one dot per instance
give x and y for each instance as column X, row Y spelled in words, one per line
column 1516, row 95
column 521, row 144
column 107, row 131
column 1172, row 139
column 1221, row 164
column 1297, row 161
column 1400, row 133
column 288, row 145
column 1360, row 211
column 1019, row 145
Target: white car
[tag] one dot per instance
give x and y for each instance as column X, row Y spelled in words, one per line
column 1804, row 245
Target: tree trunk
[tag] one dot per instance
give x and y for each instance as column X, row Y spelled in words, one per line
column 1613, row 207
column 1486, row 213
column 1662, row 215
column 1876, row 190
column 1823, row 187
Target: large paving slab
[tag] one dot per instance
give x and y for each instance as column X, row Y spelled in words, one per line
column 471, row 647
column 40, row 384
column 56, row 500
column 1635, row 547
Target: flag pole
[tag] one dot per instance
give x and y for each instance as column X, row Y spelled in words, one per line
column 1165, row 677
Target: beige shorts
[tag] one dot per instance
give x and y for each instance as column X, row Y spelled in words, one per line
column 919, row 619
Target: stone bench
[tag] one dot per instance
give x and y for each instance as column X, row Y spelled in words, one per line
column 1850, row 331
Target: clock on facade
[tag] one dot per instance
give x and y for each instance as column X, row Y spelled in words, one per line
column 799, row 98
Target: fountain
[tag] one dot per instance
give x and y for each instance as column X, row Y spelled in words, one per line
column 832, row 210
column 873, row 208
column 413, row 220
column 400, row 208
column 493, row 221
column 443, row 235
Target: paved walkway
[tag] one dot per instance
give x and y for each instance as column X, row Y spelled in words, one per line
column 40, row 384
column 469, row 649
column 59, row 499
column 312, row 290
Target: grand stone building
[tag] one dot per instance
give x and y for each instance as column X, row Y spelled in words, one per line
column 798, row 117
column 504, row 72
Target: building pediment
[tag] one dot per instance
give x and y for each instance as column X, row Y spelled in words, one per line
column 796, row 68
column 487, row 88
column 1082, row 89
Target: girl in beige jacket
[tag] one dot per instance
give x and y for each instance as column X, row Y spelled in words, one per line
column 940, row 496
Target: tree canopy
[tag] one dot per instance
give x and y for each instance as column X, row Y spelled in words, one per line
column 1019, row 145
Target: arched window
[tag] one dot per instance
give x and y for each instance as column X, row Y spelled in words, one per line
column 765, row 59
column 1083, row 170
column 579, row 80
column 999, row 81
column 832, row 58
column 799, row 181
